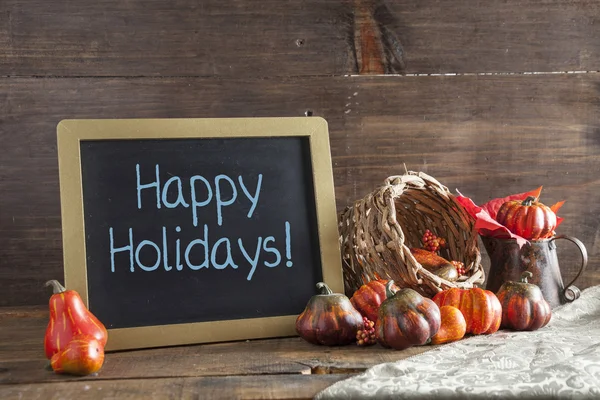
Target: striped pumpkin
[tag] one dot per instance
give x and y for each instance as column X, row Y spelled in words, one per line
column 523, row 305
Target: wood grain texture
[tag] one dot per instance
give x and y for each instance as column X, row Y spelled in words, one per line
column 183, row 37
column 488, row 136
column 295, row 38
column 229, row 387
column 22, row 359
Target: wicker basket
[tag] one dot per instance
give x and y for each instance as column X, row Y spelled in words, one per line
column 377, row 232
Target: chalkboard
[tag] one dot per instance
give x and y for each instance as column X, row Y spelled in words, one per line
column 183, row 231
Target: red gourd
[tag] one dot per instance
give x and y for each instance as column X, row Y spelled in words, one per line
column 82, row 355
column 369, row 297
column 69, row 317
column 523, row 305
column 481, row 308
column 329, row 319
column 406, row 319
column 529, row 218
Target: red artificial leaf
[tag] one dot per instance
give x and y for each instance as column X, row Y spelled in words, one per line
column 485, row 224
column 557, row 206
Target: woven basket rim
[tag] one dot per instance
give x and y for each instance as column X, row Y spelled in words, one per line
column 375, row 245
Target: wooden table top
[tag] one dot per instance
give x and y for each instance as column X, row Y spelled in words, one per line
column 283, row 368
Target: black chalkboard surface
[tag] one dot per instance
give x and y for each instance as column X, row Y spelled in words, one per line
column 215, row 226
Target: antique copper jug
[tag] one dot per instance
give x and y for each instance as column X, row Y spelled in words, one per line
column 508, row 262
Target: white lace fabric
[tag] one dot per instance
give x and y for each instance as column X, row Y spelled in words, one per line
column 561, row 360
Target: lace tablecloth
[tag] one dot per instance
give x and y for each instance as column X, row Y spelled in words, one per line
column 561, row 360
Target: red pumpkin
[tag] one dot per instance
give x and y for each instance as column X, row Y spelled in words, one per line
column 529, row 219
column 329, row 318
column 523, row 305
column 369, row 297
column 406, row 319
column 481, row 308
column 453, row 326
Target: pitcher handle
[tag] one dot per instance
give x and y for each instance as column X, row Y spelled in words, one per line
column 570, row 292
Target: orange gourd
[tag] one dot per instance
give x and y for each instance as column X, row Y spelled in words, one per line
column 480, row 308
column 453, row 326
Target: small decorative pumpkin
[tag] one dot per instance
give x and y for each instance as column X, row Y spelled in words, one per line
column 523, row 305
column 329, row 318
column 529, row 219
column 453, row 326
column 481, row 308
column 406, row 319
column 369, row 297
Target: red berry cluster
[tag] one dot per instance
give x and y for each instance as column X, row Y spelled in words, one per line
column 460, row 267
column 431, row 242
column 366, row 335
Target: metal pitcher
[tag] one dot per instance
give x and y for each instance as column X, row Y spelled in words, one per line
column 508, row 262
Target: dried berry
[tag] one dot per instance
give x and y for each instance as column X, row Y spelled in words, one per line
column 460, row 267
column 431, row 242
column 366, row 335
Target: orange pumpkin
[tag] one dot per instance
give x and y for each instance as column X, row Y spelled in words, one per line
column 523, row 305
column 529, row 218
column 369, row 297
column 453, row 326
column 480, row 308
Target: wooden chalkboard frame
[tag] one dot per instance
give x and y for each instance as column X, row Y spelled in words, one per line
column 71, row 132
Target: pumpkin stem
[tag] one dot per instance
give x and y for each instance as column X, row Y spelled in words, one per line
column 388, row 289
column 526, row 275
column 528, row 201
column 56, row 286
column 323, row 288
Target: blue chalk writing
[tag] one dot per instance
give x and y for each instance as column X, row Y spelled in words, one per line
column 272, row 250
column 228, row 260
column 114, row 250
column 140, row 187
column 201, row 248
column 204, row 243
column 180, row 200
column 288, row 245
column 165, row 252
column 220, row 202
column 195, row 203
column 253, row 199
column 253, row 261
column 139, row 249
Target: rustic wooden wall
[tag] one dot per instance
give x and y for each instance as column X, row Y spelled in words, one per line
column 490, row 97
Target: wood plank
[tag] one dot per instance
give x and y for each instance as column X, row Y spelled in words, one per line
column 232, row 387
column 492, row 36
column 295, row 38
column 488, row 136
column 22, row 357
column 185, row 37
